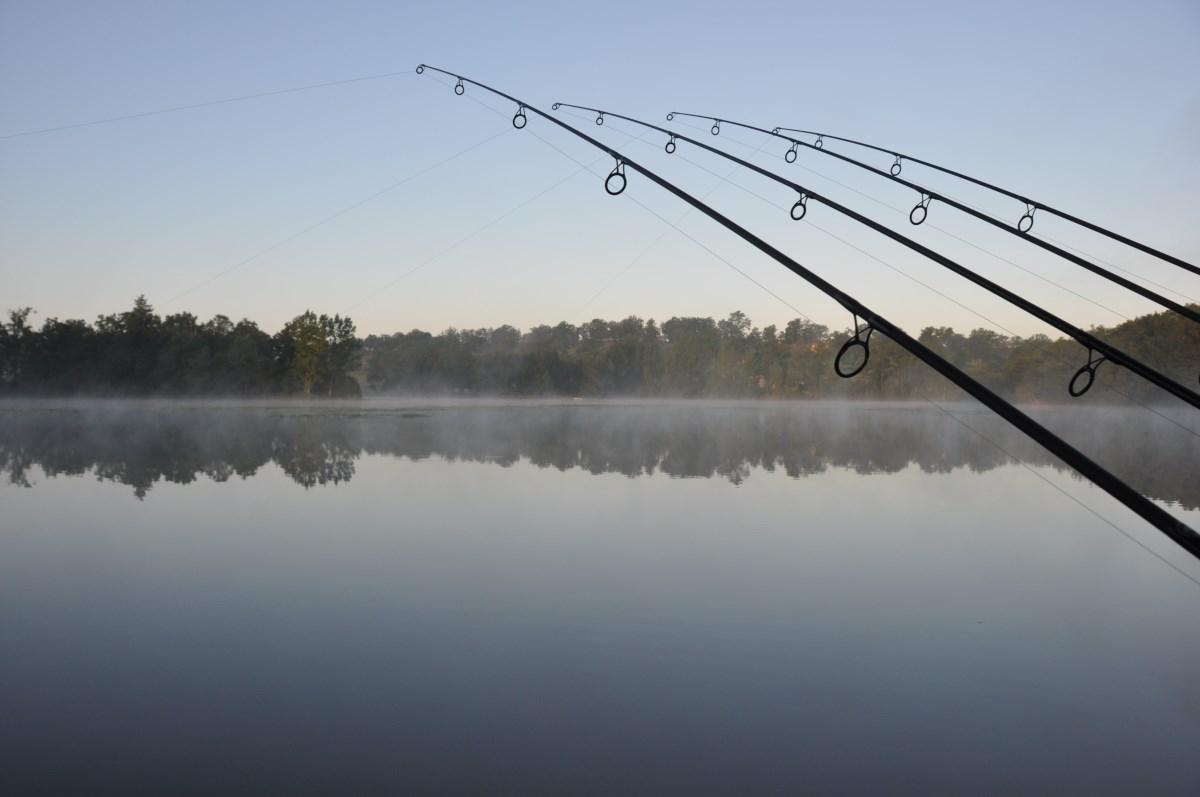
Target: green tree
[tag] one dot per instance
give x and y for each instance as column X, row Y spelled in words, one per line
column 342, row 351
column 305, row 340
column 16, row 343
column 692, row 346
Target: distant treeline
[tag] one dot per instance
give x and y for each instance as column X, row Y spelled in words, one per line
column 139, row 353
column 732, row 358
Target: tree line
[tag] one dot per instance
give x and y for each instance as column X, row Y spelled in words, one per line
column 137, row 352
column 693, row 357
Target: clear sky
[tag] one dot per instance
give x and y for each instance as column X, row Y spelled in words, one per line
column 1090, row 106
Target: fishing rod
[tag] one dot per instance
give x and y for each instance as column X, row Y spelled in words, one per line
column 615, row 184
column 1098, row 350
column 920, row 211
column 1030, row 204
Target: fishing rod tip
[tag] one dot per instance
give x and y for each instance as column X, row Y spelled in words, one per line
column 420, row 68
column 556, row 106
column 671, row 116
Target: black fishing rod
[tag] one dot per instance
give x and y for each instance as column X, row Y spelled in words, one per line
column 616, row 182
column 1030, row 204
column 1098, row 350
column 921, row 210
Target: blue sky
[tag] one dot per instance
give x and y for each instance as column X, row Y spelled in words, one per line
column 1093, row 107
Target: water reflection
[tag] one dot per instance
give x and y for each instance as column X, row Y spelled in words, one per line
column 140, row 444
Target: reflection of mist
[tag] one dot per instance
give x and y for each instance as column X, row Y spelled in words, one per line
column 138, row 445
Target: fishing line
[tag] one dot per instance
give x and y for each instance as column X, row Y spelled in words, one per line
column 386, row 286
column 323, row 221
column 634, row 138
column 942, row 409
column 944, row 231
column 681, row 231
column 666, row 231
column 821, row 229
column 1098, row 351
column 1031, row 205
column 1062, row 361
column 871, row 322
column 859, row 249
column 1064, row 492
column 207, row 104
column 631, row 137
column 1089, row 371
column 380, row 289
column 1085, row 253
column 1112, row 265
column 336, row 214
column 978, row 213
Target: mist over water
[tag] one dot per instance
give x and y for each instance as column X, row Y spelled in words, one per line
column 590, row 597
column 141, row 443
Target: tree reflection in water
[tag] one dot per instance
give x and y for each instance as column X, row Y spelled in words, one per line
column 140, row 444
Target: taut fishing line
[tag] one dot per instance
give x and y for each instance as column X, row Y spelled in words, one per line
column 1083, row 377
column 942, row 409
column 942, row 230
column 920, row 212
column 1031, row 205
column 208, row 104
column 336, row 215
column 927, row 286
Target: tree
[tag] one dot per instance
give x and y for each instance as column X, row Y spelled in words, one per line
column 307, row 345
column 16, row 340
column 692, row 349
column 342, row 350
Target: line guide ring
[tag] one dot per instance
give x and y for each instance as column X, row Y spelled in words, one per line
column 520, row 120
column 459, row 88
column 861, row 339
column 670, row 147
column 896, row 167
column 615, row 183
column 801, row 203
column 1088, row 373
column 1025, row 224
column 716, row 128
column 790, row 155
column 599, row 118
column 920, row 210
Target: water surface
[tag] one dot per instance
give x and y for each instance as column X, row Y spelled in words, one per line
column 589, row 597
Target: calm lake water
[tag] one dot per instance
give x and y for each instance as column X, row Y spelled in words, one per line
column 583, row 597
